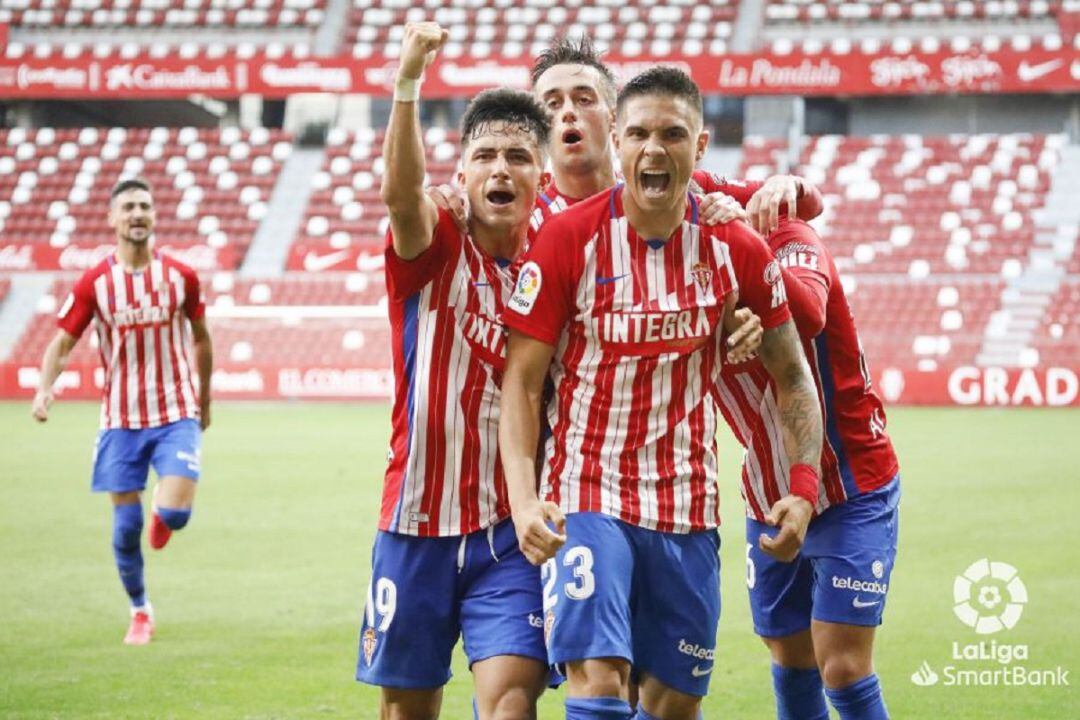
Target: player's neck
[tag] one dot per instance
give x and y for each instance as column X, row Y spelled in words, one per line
column 133, row 256
column 653, row 224
column 582, row 185
column 498, row 242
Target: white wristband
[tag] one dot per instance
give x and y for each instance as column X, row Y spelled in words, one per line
column 407, row 89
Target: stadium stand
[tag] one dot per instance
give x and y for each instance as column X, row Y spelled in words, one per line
column 524, row 27
column 345, row 209
column 871, row 26
column 211, row 186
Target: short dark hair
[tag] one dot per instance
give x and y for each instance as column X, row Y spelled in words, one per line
column 512, row 107
column 661, row 80
column 567, row 51
column 132, row 183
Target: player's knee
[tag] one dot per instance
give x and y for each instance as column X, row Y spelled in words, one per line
column 599, row 678
column 839, row 670
column 127, row 526
column 514, row 704
column 174, row 519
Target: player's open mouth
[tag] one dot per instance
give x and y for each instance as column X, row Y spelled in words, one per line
column 572, row 137
column 654, row 182
column 500, row 197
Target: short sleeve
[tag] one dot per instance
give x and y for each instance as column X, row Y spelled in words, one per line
column 78, row 309
column 543, row 296
column 407, row 277
column 761, row 284
column 194, row 302
column 711, row 183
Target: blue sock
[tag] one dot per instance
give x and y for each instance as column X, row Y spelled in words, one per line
column 127, row 548
column 174, row 519
column 798, row 693
column 860, row 700
column 603, row 708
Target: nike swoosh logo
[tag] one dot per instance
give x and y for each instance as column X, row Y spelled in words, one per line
column 1028, row 72
column 318, row 263
column 860, row 604
column 697, row 671
column 605, row 280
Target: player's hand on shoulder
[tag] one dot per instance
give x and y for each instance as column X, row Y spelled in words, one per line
column 454, row 201
column 718, row 208
column 39, row 409
column 764, row 207
column 418, row 48
column 792, row 514
column 745, row 336
column 538, row 542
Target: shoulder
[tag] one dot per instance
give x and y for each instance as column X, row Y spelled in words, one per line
column 582, row 216
column 186, row 271
column 90, row 275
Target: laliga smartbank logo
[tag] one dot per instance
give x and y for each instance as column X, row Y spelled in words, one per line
column 989, row 597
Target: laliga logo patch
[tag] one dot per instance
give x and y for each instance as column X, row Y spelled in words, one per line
column 702, row 274
column 527, row 288
column 369, row 642
column 989, row 596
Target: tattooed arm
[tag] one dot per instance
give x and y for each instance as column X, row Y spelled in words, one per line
column 800, row 417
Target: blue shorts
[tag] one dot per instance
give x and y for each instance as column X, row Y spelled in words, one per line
column 653, row 598
column 425, row 591
column 122, row 458
column 840, row 576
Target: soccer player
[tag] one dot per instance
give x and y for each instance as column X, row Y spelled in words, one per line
column 622, row 296
column 446, row 560
column 578, row 89
column 142, row 303
column 819, row 611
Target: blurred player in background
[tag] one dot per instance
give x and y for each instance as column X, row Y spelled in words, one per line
column 446, row 560
column 626, row 292
column 819, row 611
column 142, row 303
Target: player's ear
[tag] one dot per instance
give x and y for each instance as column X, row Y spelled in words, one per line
column 112, row 214
column 702, row 144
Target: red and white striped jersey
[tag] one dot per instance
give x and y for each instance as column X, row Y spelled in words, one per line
column 857, row 455
column 449, row 347
column 550, row 202
column 634, row 323
column 141, row 320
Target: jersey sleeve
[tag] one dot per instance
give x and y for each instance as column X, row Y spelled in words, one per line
column 194, row 302
column 712, row 183
column 78, row 309
column 805, row 267
column 761, row 285
column 406, row 277
column 543, row 298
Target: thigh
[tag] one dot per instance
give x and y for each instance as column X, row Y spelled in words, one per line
column 587, row 591
column 177, row 449
column 677, row 592
column 853, row 552
column 400, row 704
column 502, row 609
column 121, row 461
column 781, row 594
column 411, row 619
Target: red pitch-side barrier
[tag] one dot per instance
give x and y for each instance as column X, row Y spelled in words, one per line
column 964, row 386
column 1005, row 71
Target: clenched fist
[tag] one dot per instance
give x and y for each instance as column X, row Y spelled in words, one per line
column 422, row 40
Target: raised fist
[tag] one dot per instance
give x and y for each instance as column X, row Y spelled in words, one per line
column 422, row 40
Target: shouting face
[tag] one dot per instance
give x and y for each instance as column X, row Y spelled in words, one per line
column 581, row 117
column 502, row 168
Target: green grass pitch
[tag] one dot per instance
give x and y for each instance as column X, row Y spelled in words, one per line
column 258, row 601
